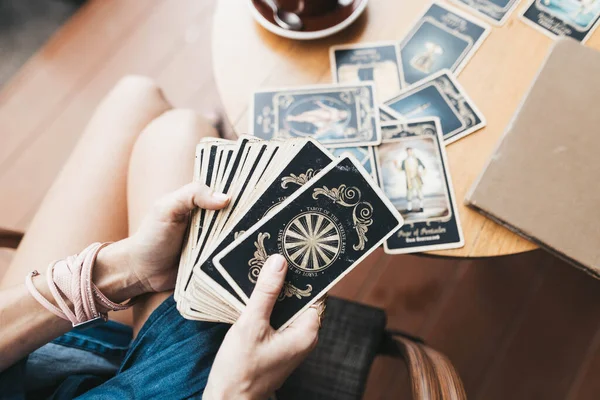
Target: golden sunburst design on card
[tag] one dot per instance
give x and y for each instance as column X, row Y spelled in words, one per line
column 257, row 262
column 312, row 241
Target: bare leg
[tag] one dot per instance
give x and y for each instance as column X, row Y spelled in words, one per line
column 162, row 161
column 88, row 202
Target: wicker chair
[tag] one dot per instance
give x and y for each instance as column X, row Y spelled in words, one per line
column 352, row 336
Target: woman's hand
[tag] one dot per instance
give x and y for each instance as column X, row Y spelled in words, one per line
column 254, row 360
column 153, row 251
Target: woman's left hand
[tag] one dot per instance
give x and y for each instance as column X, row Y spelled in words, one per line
column 153, row 251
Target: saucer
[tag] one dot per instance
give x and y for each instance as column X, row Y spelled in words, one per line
column 315, row 27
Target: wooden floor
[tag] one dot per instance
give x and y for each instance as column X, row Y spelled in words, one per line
column 520, row 327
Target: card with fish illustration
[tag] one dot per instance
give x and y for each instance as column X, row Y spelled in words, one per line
column 323, row 230
column 414, row 176
column 377, row 62
column 335, row 115
column 443, row 38
column 439, row 96
column 495, row 11
column 576, row 19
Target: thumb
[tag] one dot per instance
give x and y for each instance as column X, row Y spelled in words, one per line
column 176, row 205
column 268, row 287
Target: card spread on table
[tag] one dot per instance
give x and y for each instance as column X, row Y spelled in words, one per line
column 439, row 96
column 554, row 18
column 343, row 219
column 385, row 115
column 495, row 11
column 443, row 38
column 364, row 155
column 323, row 230
column 377, row 62
column 335, row 115
column 414, row 176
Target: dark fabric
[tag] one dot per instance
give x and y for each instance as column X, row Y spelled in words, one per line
column 70, row 364
column 170, row 358
column 339, row 366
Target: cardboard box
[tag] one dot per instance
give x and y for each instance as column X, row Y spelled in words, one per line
column 543, row 180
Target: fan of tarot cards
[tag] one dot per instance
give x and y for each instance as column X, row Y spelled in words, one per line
column 292, row 197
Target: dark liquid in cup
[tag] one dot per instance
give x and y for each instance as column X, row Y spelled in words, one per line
column 308, row 8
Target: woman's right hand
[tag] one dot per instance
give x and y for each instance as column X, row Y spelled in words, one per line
column 254, row 360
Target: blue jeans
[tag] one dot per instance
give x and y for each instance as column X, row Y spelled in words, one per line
column 170, row 358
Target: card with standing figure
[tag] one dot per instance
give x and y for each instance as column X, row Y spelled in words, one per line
column 554, row 18
column 439, row 96
column 335, row 115
column 323, row 230
column 378, row 62
column 443, row 38
column 414, row 176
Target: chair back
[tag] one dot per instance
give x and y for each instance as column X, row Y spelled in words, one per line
column 352, row 336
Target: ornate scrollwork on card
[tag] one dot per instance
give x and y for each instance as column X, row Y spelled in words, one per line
column 404, row 130
column 290, row 290
column 366, row 114
column 488, row 8
column 265, row 119
column 361, row 214
column 346, row 97
column 299, row 179
column 285, row 101
column 362, row 218
column 343, row 195
column 463, row 108
column 260, row 256
column 421, row 129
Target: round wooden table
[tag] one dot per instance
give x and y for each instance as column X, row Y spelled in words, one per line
column 247, row 58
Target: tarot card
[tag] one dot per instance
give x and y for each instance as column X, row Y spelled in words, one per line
column 209, row 218
column 495, row 11
column 573, row 18
column 335, row 115
column 365, row 156
column 309, row 160
column 323, row 230
column 201, row 298
column 415, row 177
column 377, row 62
column 385, row 115
column 204, row 171
column 439, row 96
column 443, row 38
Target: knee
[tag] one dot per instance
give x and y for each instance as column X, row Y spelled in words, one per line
column 180, row 125
column 135, row 84
column 136, row 91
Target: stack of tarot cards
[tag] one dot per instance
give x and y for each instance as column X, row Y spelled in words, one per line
column 292, row 197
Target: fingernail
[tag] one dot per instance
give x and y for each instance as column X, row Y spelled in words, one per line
column 277, row 262
column 220, row 196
